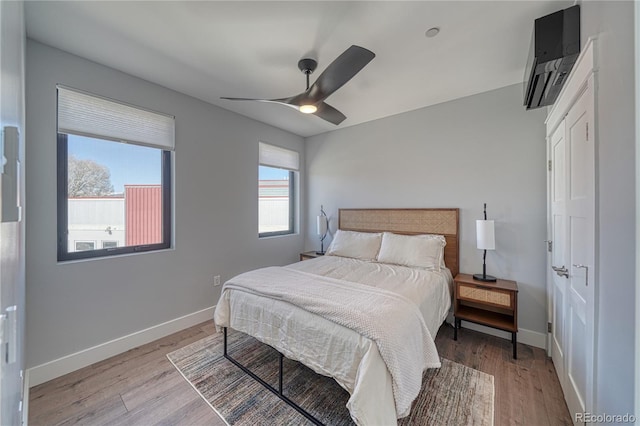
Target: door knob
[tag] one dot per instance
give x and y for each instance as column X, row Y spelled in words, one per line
column 561, row 271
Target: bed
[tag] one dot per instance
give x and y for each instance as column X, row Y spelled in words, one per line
column 367, row 321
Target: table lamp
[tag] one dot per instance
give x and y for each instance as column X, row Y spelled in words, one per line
column 322, row 226
column 486, row 240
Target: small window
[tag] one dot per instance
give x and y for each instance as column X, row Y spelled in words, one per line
column 85, row 245
column 114, row 177
column 276, row 190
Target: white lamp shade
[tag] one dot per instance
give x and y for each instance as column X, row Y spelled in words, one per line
column 486, row 235
column 321, row 225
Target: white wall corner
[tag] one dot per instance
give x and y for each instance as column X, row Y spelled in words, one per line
column 72, row 362
column 25, row 398
column 527, row 337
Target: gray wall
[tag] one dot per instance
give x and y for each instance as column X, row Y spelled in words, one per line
column 74, row 306
column 613, row 23
column 463, row 153
column 12, row 256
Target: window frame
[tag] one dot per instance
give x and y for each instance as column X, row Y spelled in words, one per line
column 292, row 212
column 63, row 214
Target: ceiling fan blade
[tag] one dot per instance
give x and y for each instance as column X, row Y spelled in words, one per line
column 345, row 66
column 278, row 101
column 282, row 101
column 325, row 111
column 329, row 113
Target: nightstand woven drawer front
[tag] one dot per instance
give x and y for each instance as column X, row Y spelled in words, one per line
column 482, row 295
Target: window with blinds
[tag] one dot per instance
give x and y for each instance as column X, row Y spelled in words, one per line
column 114, row 176
column 277, row 171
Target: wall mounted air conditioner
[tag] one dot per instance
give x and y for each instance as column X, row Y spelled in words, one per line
column 555, row 46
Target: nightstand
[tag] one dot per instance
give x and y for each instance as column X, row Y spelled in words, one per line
column 494, row 304
column 309, row 255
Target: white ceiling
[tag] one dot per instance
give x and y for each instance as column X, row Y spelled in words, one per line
column 251, row 49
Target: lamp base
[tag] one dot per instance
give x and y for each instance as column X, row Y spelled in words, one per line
column 320, row 253
column 485, row 278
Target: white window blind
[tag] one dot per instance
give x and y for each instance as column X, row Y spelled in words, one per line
column 274, row 156
column 87, row 115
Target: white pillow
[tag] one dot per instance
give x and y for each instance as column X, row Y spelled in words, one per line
column 358, row 245
column 444, row 243
column 423, row 251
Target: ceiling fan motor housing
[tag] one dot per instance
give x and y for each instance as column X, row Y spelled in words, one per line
column 307, row 65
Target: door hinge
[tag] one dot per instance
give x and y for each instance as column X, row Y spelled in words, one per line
column 549, row 165
column 549, row 327
column 549, row 245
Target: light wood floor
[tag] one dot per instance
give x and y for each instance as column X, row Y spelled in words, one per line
column 141, row 387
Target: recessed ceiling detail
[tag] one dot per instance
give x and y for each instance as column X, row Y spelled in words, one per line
column 432, row 32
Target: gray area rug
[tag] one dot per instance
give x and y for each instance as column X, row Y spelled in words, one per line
column 451, row 395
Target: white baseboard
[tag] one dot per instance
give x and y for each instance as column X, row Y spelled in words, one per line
column 528, row 337
column 61, row 366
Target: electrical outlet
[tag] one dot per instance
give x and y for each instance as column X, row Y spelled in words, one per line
column 216, row 280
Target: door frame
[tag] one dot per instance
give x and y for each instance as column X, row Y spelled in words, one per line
column 581, row 77
column 637, row 103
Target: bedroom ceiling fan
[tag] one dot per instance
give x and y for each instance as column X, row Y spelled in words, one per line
column 311, row 101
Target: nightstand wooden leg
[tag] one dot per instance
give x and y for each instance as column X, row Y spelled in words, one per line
column 455, row 328
column 514, row 341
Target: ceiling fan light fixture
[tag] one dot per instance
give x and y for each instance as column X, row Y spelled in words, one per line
column 308, row 109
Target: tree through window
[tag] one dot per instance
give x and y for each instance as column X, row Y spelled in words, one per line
column 87, row 178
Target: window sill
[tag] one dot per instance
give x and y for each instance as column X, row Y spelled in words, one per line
column 114, row 256
column 268, row 237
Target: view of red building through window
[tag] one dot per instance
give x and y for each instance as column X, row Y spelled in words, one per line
column 130, row 219
column 143, row 214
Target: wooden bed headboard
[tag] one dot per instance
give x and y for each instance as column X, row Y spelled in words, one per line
column 408, row 222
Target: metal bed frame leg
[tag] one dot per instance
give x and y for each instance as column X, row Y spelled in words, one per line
column 281, row 361
column 277, row 392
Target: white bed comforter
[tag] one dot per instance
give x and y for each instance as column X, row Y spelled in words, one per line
column 379, row 343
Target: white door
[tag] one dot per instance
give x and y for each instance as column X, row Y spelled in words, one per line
column 572, row 153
